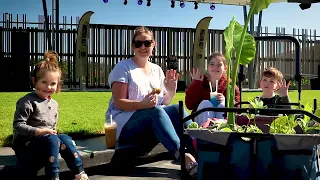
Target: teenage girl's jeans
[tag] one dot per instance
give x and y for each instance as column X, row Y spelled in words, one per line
column 36, row 152
column 150, row 126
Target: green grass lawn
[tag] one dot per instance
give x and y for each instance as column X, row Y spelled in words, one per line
column 82, row 114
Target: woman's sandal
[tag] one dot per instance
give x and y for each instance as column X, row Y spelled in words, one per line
column 192, row 168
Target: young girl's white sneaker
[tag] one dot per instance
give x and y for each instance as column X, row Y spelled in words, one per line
column 81, row 176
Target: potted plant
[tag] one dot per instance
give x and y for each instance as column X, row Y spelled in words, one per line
column 226, row 150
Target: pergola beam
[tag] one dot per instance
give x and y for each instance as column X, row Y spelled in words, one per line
column 247, row 2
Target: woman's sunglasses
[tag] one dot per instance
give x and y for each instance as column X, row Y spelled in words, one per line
column 146, row 43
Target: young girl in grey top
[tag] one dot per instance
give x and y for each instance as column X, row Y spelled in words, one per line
column 35, row 139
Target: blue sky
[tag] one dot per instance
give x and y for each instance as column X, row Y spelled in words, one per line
column 161, row 14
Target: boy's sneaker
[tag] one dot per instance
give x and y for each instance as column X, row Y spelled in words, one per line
column 81, row 176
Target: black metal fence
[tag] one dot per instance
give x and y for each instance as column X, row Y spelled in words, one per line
column 23, row 43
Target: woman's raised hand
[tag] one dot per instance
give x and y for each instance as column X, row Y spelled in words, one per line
column 170, row 82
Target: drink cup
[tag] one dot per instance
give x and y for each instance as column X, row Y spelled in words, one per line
column 213, row 99
column 110, row 129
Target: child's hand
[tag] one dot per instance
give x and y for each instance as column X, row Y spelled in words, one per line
column 220, row 97
column 196, row 75
column 40, row 132
column 283, row 88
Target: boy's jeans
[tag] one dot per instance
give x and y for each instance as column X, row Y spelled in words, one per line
column 35, row 152
column 153, row 125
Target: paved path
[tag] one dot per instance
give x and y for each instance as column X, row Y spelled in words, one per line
column 95, row 164
column 157, row 170
column 154, row 169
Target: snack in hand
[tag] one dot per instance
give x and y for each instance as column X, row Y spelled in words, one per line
column 156, row 90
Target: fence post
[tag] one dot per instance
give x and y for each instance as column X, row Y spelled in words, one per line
column 169, row 42
column 45, row 12
column 1, row 43
column 20, row 51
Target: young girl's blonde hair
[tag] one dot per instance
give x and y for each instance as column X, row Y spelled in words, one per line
column 49, row 63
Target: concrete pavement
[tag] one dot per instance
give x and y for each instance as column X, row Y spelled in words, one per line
column 93, row 151
column 161, row 170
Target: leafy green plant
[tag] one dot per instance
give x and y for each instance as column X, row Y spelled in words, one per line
column 254, row 103
column 215, row 125
column 283, row 125
column 248, row 129
column 288, row 124
column 293, row 83
column 304, row 81
column 193, row 125
column 225, row 127
column 306, row 124
column 220, row 126
column 240, row 42
column 257, row 103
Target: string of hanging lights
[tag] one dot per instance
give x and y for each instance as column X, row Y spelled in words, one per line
column 182, row 3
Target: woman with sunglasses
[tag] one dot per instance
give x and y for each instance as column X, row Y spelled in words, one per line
column 143, row 115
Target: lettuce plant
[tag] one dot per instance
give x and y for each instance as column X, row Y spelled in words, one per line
column 288, row 124
column 254, row 103
column 242, row 44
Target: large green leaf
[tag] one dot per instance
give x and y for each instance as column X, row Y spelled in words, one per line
column 309, row 109
column 226, row 129
column 317, row 112
column 283, row 125
column 232, row 36
column 260, row 5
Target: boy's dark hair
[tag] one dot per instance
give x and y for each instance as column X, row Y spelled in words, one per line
column 272, row 72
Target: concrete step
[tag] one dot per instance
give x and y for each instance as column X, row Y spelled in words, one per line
column 93, row 152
